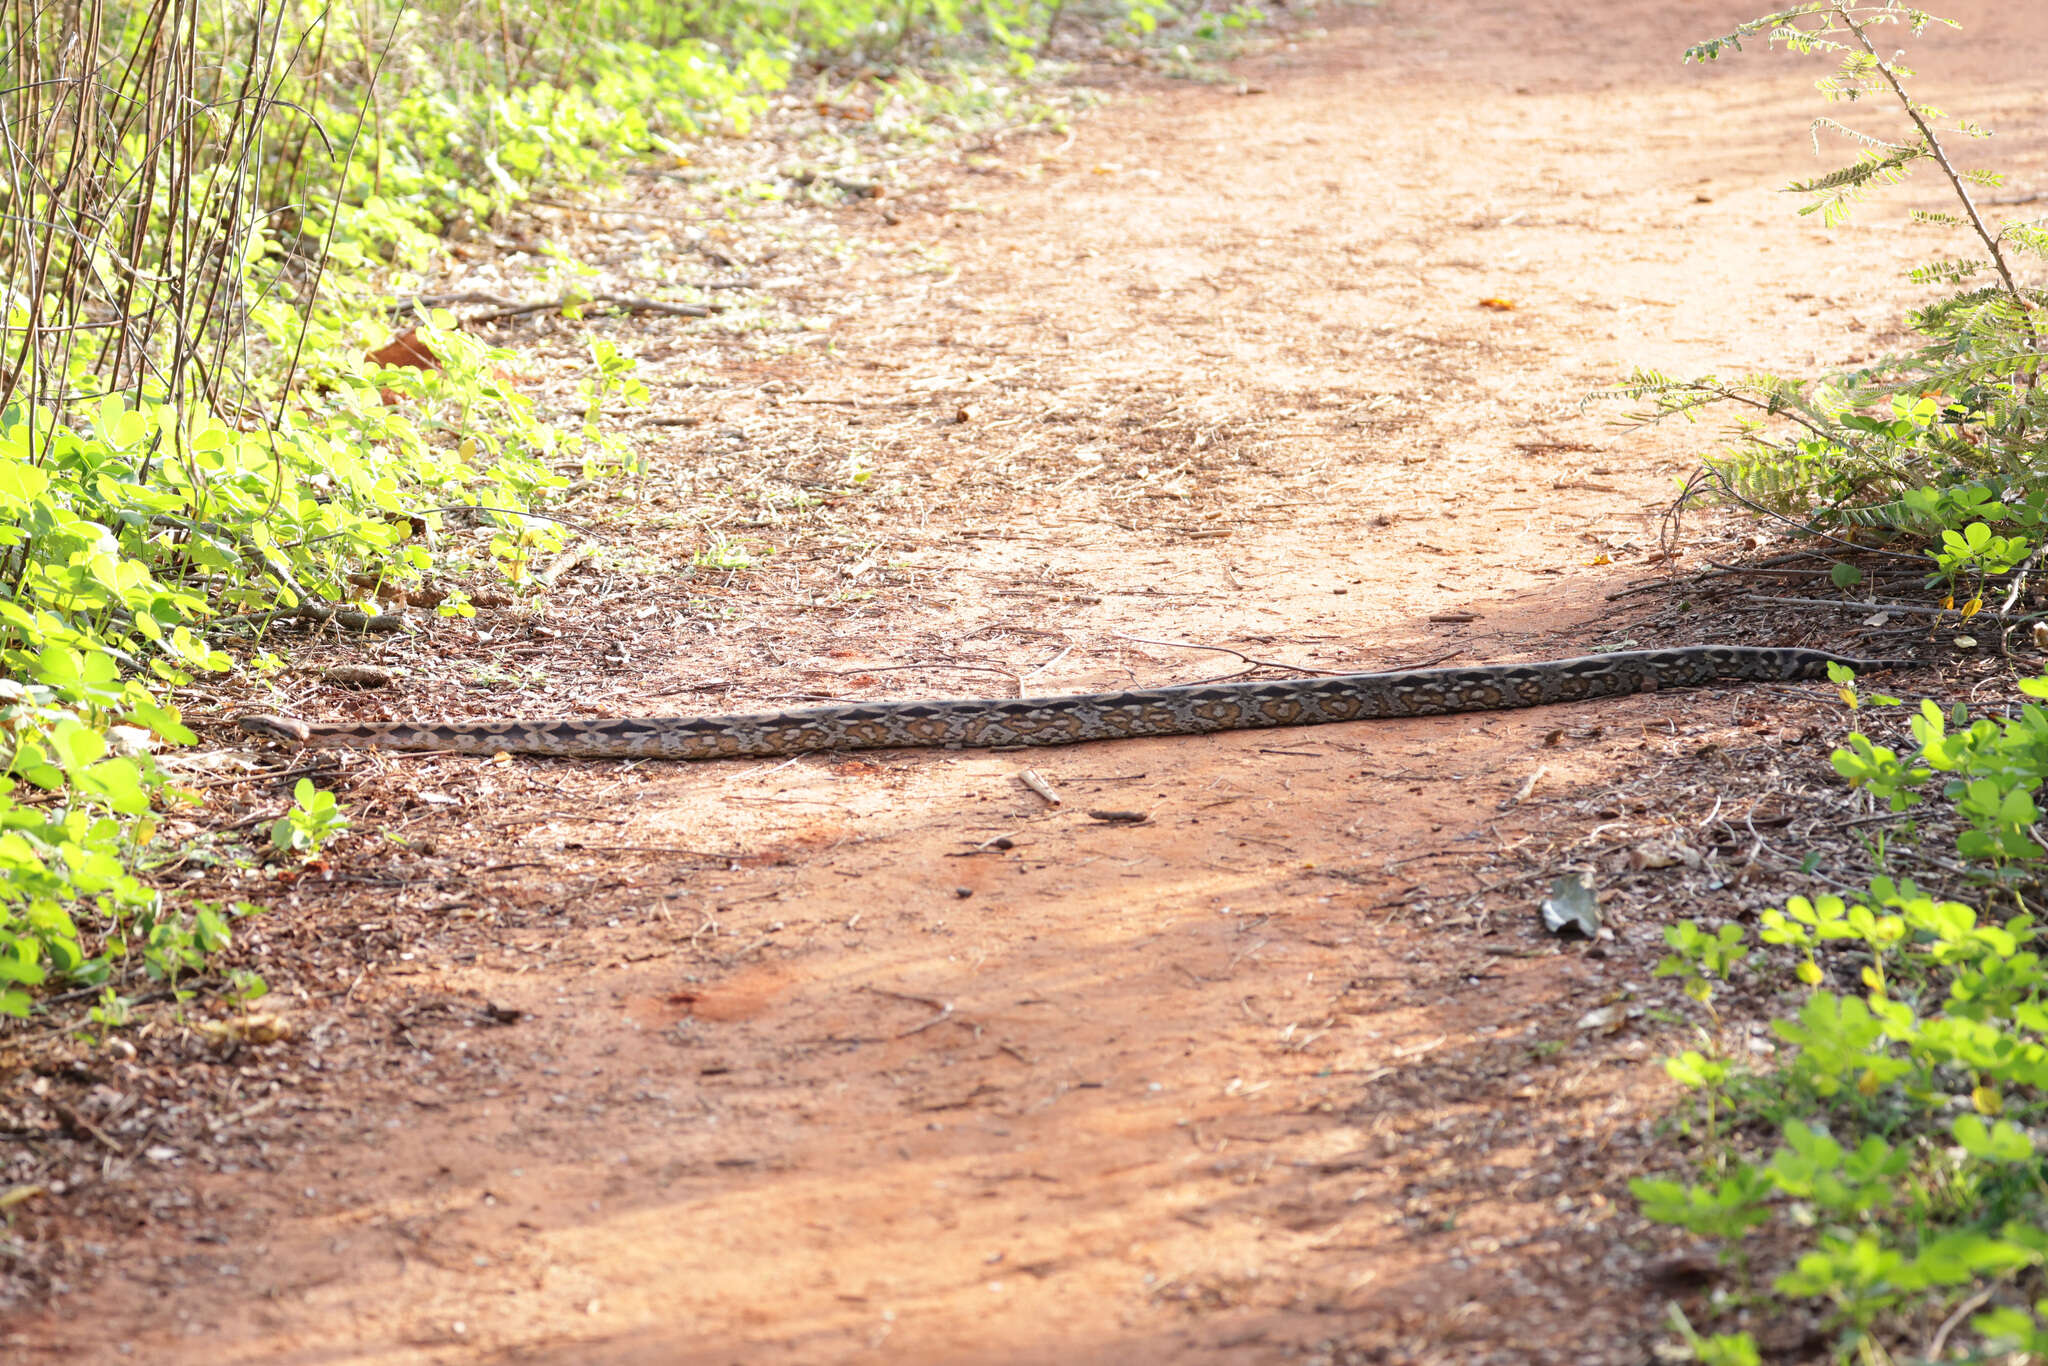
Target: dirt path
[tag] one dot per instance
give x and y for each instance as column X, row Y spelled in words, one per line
column 880, row 1058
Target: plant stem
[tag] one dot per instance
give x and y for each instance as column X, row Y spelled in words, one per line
column 1955, row 180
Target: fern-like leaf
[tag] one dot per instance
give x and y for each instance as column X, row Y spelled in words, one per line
column 1712, row 48
column 1874, row 143
column 1833, row 193
column 2027, row 236
column 1946, row 272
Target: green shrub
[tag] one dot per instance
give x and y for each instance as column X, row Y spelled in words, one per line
column 1905, row 1177
column 1946, row 443
column 193, row 444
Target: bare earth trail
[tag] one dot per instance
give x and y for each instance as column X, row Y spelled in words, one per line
column 902, row 1065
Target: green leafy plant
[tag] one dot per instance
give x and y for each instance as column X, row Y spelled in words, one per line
column 1885, row 1157
column 1701, row 959
column 1932, row 1199
column 1989, row 770
column 1947, row 443
column 1720, row 1349
column 314, row 820
column 1938, row 1065
column 197, row 440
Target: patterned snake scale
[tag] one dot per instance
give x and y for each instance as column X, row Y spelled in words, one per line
column 1194, row 709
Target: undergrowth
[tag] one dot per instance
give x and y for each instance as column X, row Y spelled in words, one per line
column 214, row 219
column 1883, row 1168
column 1887, row 1164
column 1941, row 450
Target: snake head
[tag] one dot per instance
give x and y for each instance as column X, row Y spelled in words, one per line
column 276, row 728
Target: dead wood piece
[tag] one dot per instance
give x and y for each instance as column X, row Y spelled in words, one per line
column 944, row 1009
column 565, row 562
column 1528, row 786
column 358, row 675
column 1226, row 650
column 517, row 308
column 348, row 618
column 78, row 1125
column 1901, row 608
column 1031, row 779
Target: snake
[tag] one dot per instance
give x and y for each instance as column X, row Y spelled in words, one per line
column 1001, row 723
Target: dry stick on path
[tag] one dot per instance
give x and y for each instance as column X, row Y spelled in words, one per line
column 453, row 507
column 1032, row 779
column 515, row 308
column 1256, row 663
column 944, row 1008
column 1226, row 650
column 565, row 562
column 2020, row 572
column 627, row 303
column 1902, row 608
column 1807, row 528
column 2019, row 579
column 319, row 613
column 1010, row 674
column 2020, row 575
column 348, row 618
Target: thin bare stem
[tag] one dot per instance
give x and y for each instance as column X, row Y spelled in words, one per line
column 1955, row 179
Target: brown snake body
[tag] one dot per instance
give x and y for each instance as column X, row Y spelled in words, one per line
column 1194, row 709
